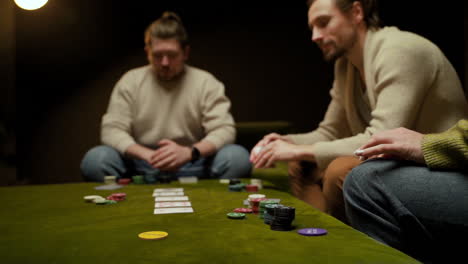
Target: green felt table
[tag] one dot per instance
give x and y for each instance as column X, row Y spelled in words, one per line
column 53, row 224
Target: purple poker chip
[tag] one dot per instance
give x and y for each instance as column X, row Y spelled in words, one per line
column 312, row 232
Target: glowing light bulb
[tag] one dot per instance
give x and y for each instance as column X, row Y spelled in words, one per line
column 30, row 4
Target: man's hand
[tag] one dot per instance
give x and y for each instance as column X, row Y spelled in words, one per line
column 277, row 150
column 400, row 143
column 170, row 155
column 265, row 141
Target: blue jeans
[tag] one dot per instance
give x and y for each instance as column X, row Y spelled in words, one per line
column 231, row 161
column 419, row 211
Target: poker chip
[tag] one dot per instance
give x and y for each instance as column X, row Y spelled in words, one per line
column 117, row 197
column 153, row 235
column 91, row 198
column 109, row 179
column 282, row 218
column 269, row 213
column 124, row 181
column 236, row 187
column 251, row 188
column 138, row 179
column 234, row 181
column 236, row 215
column 312, row 231
column 257, row 149
column 99, row 200
column 256, row 196
column 104, row 202
column 243, row 210
column 257, row 182
column 224, row 181
column 262, row 206
column 255, row 204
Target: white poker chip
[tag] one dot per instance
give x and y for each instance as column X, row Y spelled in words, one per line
column 99, row 200
column 256, row 196
column 257, row 150
column 257, row 182
column 93, row 198
column 224, row 181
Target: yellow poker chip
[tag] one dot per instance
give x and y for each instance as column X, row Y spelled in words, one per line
column 153, row 235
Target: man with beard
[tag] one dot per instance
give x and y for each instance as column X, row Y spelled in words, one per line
column 384, row 78
column 167, row 119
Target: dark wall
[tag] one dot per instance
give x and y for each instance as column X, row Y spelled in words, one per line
column 70, row 53
column 466, row 46
column 7, row 94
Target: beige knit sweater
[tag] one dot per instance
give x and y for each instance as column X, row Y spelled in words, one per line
column 410, row 83
column 144, row 110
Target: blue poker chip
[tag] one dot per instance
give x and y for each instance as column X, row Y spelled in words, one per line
column 312, row 231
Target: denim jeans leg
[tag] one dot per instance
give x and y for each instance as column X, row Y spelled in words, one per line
column 101, row 161
column 417, row 210
column 231, row 161
column 197, row 169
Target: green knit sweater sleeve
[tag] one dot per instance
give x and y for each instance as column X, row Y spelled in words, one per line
column 447, row 150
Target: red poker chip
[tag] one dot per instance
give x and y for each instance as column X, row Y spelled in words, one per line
column 119, row 195
column 257, row 200
column 243, row 210
column 115, row 198
column 124, row 181
column 251, row 188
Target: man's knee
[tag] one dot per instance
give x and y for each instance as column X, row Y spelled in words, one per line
column 232, row 161
column 303, row 171
column 294, row 169
column 96, row 162
column 338, row 170
column 358, row 179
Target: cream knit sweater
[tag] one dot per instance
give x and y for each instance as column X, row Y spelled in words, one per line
column 145, row 110
column 410, row 83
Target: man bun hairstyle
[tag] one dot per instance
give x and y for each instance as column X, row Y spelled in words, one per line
column 369, row 7
column 169, row 25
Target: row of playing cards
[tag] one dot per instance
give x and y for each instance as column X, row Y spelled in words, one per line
column 171, row 201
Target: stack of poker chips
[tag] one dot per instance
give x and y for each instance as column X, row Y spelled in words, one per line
column 255, row 204
column 117, row 197
column 257, row 182
column 165, row 177
column 268, row 216
column 124, row 181
column 262, row 206
column 150, row 178
column 109, row 179
column 234, row 181
column 251, row 188
column 112, row 199
column 138, row 179
column 236, row 187
column 254, row 201
column 282, row 218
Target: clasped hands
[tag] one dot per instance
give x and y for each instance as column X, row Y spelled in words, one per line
column 169, row 156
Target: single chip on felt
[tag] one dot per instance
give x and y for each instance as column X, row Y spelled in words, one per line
column 242, row 210
column 236, row 215
column 312, row 231
column 153, row 235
